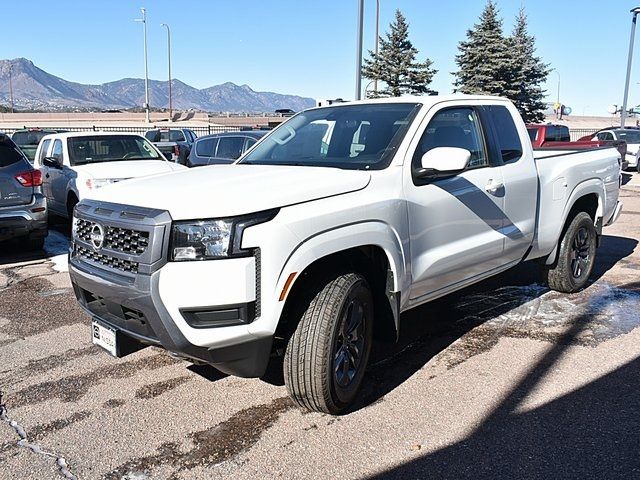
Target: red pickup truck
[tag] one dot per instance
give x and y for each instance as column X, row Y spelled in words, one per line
column 557, row 136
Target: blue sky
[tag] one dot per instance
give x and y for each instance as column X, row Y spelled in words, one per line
column 308, row 47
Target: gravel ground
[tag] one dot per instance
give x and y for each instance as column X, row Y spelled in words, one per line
column 503, row 380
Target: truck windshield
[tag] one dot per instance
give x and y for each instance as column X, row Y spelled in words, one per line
column 104, row 148
column 358, row 137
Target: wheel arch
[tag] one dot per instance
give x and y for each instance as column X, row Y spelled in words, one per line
column 371, row 249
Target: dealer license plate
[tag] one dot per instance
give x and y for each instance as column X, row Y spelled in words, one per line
column 104, row 337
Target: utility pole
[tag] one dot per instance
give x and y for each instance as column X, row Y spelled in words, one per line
column 359, row 50
column 623, row 112
column 11, row 85
column 146, row 68
column 169, row 50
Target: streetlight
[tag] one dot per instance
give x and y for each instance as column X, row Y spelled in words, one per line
column 146, row 68
column 359, row 50
column 169, row 50
column 558, row 97
column 375, row 83
column 623, row 113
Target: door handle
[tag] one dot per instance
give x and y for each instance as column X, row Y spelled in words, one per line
column 493, row 187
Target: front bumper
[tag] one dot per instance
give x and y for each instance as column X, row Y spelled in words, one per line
column 22, row 220
column 135, row 309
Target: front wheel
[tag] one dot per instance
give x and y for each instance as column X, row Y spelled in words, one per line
column 576, row 256
column 327, row 355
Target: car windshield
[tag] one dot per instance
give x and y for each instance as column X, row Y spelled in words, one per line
column 629, row 136
column 357, row 136
column 104, row 148
column 30, row 137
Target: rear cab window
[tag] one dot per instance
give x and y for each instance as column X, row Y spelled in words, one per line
column 506, row 133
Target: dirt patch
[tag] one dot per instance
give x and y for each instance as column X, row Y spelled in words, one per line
column 154, row 389
column 74, row 387
column 40, row 431
column 213, row 445
column 114, row 403
column 29, row 314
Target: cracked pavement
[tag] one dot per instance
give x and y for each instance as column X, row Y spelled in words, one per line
column 505, row 379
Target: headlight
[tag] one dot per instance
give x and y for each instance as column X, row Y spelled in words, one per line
column 212, row 239
column 94, row 183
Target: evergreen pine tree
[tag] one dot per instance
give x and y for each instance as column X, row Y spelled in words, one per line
column 486, row 64
column 529, row 74
column 395, row 64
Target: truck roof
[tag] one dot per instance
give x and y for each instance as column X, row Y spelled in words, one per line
column 424, row 99
column 64, row 136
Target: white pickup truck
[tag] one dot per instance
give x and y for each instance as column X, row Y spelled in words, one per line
column 75, row 164
column 329, row 228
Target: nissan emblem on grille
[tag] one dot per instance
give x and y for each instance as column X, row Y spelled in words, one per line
column 97, row 236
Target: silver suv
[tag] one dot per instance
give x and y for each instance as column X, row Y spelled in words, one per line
column 23, row 208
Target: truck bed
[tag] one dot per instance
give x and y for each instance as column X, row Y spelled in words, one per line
column 561, row 182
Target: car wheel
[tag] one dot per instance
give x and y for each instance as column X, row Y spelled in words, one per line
column 327, row 355
column 576, row 256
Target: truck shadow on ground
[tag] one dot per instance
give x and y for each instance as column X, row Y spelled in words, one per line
column 591, row 432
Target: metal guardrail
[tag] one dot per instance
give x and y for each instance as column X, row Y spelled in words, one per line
column 199, row 130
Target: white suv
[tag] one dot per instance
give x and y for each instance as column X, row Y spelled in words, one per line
column 75, row 164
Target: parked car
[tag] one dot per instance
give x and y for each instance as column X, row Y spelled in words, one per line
column 174, row 143
column 335, row 223
column 76, row 164
column 23, row 207
column 29, row 138
column 558, row 136
column 630, row 135
column 222, row 148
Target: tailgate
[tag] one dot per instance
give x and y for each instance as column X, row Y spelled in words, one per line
column 167, row 149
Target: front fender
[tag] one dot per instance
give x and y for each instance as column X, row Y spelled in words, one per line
column 323, row 244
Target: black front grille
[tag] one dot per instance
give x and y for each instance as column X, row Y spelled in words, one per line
column 125, row 240
column 106, row 260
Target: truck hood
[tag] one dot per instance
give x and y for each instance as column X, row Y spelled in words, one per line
column 228, row 190
column 127, row 168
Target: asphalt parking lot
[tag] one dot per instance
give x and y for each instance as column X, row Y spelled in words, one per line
column 503, row 380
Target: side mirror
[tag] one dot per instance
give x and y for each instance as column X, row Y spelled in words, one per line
column 52, row 162
column 443, row 162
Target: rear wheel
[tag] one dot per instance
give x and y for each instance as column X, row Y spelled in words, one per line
column 327, row 355
column 576, row 256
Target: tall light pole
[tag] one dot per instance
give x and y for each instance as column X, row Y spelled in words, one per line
column 558, row 97
column 375, row 82
column 11, row 85
column 359, row 50
column 146, row 68
column 623, row 113
column 169, row 50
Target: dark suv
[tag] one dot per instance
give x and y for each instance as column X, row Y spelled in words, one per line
column 23, row 208
column 221, row 148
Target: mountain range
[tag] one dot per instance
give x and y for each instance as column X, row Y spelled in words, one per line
column 35, row 89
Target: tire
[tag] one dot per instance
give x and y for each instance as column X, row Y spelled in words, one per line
column 576, row 256
column 71, row 203
column 324, row 365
